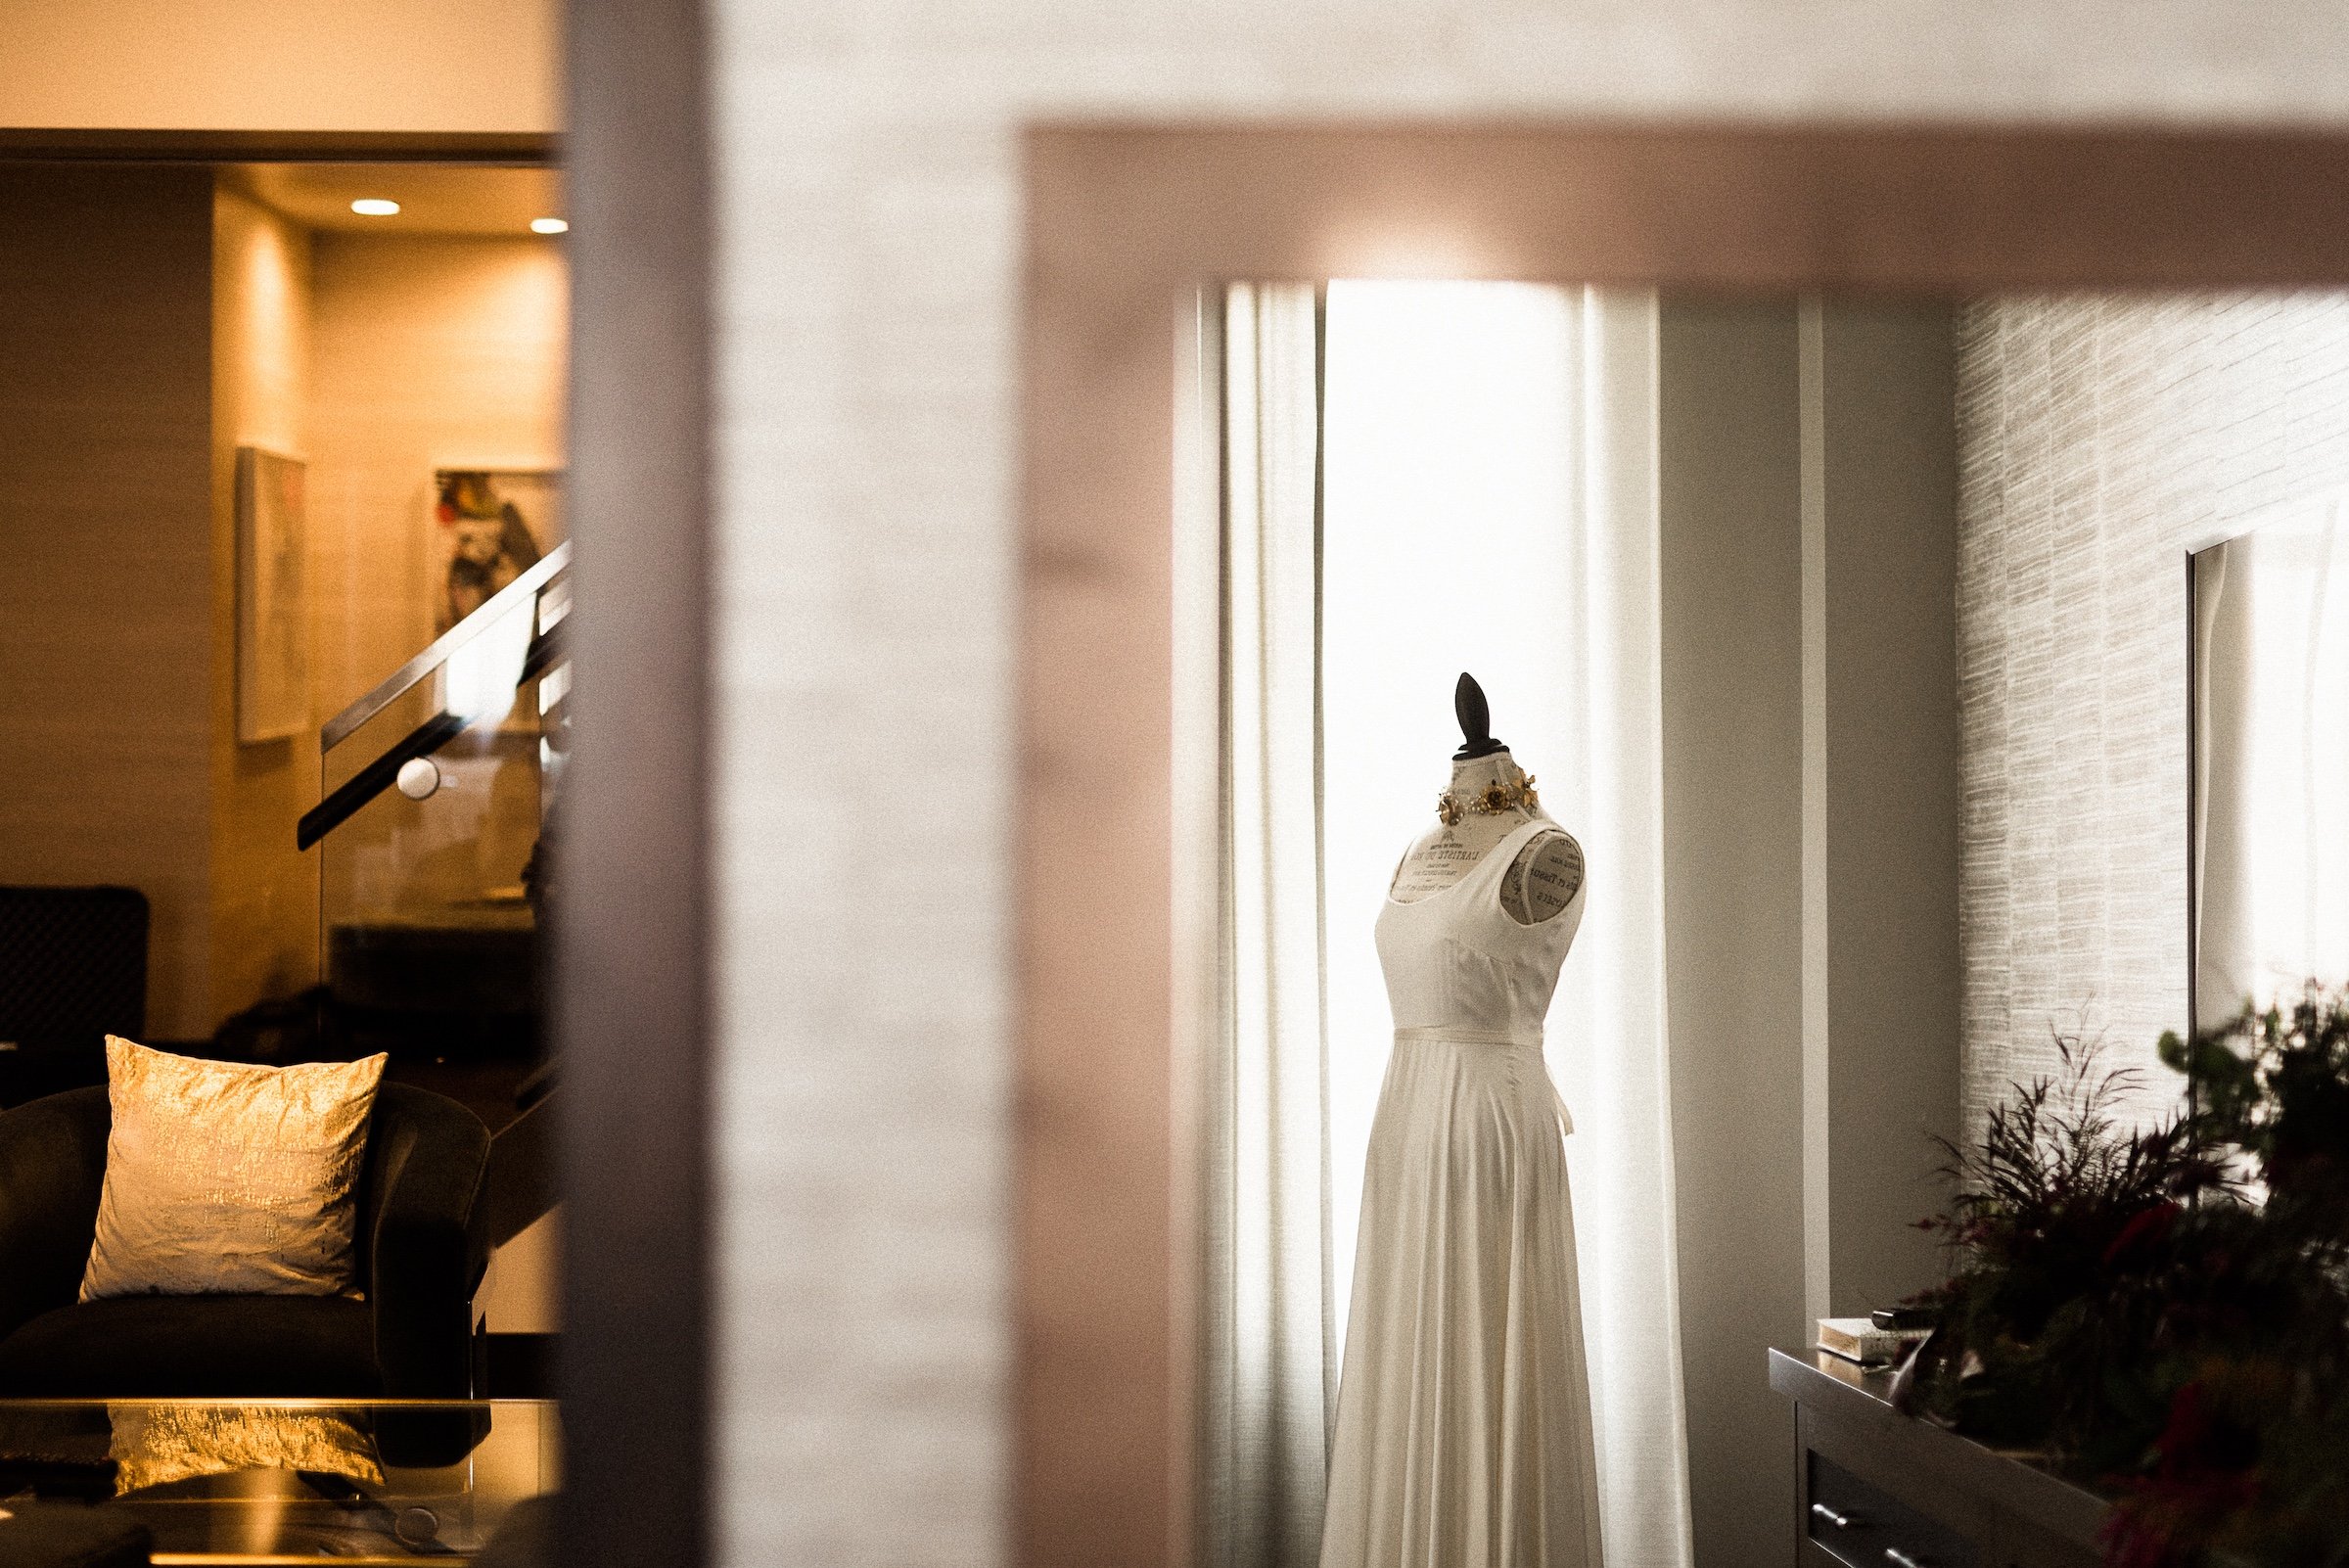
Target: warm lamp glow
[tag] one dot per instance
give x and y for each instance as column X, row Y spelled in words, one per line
column 548, row 226
column 375, row 207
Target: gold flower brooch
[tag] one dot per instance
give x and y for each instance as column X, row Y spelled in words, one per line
column 1492, row 800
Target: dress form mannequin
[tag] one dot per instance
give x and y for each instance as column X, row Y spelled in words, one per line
column 1548, row 870
column 1463, row 1435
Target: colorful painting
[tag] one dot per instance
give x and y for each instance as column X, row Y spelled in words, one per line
column 273, row 611
column 490, row 525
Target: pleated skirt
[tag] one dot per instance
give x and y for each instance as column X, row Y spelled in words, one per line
column 1464, row 1432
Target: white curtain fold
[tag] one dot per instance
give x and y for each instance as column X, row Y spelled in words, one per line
column 1608, row 1043
column 1272, row 1363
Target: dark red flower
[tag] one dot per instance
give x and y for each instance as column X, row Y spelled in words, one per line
column 2146, row 1227
column 2186, row 1430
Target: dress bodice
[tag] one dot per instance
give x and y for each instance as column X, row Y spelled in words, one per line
column 1463, row 1435
column 1458, row 960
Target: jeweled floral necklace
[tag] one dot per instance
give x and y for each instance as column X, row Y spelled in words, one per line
column 1492, row 800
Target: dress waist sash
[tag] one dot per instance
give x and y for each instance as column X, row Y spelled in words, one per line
column 1471, row 1037
column 1488, row 1037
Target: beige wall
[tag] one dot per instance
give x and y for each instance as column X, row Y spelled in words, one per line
column 1730, row 552
column 282, row 65
column 264, row 891
column 107, row 629
column 426, row 353
column 1807, row 535
column 1881, row 954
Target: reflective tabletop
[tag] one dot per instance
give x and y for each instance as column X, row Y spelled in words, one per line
column 285, row 1481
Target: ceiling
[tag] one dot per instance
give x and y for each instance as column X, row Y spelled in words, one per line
column 433, row 198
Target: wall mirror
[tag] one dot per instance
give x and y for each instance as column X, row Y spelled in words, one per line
column 1548, row 484
column 2271, row 737
column 1664, row 439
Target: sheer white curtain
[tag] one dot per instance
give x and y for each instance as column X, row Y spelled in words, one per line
column 1272, row 1373
column 1608, row 1044
column 1473, row 487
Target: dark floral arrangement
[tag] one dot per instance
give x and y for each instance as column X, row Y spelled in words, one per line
column 2164, row 1309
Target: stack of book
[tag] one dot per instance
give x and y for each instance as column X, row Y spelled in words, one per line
column 1867, row 1342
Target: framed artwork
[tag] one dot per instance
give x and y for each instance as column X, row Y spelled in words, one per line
column 273, row 613
column 490, row 525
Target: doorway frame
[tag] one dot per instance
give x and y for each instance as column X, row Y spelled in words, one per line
column 524, row 149
column 631, row 1014
column 1125, row 223
column 634, row 1015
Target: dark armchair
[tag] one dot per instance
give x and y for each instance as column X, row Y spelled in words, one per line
column 423, row 1245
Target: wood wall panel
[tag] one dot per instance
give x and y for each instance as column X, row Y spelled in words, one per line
column 106, row 533
column 634, row 955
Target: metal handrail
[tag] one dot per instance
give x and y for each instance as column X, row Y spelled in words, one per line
column 375, row 778
column 491, row 610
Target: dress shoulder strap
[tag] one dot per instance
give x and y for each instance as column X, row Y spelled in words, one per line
column 1510, row 849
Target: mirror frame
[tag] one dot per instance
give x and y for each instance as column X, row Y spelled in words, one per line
column 1124, row 224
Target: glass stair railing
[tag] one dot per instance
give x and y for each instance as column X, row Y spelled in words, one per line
column 473, row 675
column 433, row 879
column 434, row 788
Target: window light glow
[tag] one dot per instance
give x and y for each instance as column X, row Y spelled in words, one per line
column 478, row 680
column 549, row 225
column 375, row 207
column 1449, row 442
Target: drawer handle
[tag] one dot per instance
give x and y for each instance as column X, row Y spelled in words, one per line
column 1900, row 1559
column 1841, row 1521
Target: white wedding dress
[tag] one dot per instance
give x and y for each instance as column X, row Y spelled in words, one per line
column 1464, row 1431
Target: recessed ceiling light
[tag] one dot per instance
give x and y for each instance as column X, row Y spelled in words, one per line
column 548, row 226
column 374, row 206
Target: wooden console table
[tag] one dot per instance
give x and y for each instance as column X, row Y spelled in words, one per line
column 1875, row 1489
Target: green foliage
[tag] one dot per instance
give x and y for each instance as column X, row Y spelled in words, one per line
column 2166, row 1308
column 2065, row 1225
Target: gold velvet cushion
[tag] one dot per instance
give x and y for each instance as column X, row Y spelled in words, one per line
column 222, row 1179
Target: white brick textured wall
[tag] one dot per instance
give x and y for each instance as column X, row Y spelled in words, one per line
column 869, row 275
column 2096, row 437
